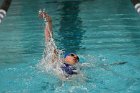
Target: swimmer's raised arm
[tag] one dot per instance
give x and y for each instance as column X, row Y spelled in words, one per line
column 48, row 27
column 48, row 32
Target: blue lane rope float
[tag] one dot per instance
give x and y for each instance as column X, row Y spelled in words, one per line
column 4, row 8
column 136, row 4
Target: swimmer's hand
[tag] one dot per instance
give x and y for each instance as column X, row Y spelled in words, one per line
column 44, row 15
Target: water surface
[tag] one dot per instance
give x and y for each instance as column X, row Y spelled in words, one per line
column 102, row 33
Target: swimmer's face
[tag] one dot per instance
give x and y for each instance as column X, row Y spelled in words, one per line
column 72, row 58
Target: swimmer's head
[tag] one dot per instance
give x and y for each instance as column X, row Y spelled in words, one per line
column 71, row 58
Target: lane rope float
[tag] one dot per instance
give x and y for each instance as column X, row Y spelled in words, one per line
column 136, row 4
column 4, row 8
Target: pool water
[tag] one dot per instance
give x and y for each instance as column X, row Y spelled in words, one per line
column 105, row 35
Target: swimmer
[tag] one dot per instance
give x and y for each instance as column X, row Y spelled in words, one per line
column 70, row 60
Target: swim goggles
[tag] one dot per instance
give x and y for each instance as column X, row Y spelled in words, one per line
column 73, row 55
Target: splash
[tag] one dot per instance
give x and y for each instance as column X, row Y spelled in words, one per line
column 48, row 64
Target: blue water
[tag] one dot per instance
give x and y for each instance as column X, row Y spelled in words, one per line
column 101, row 33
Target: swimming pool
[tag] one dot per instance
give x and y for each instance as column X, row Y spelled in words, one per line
column 101, row 33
